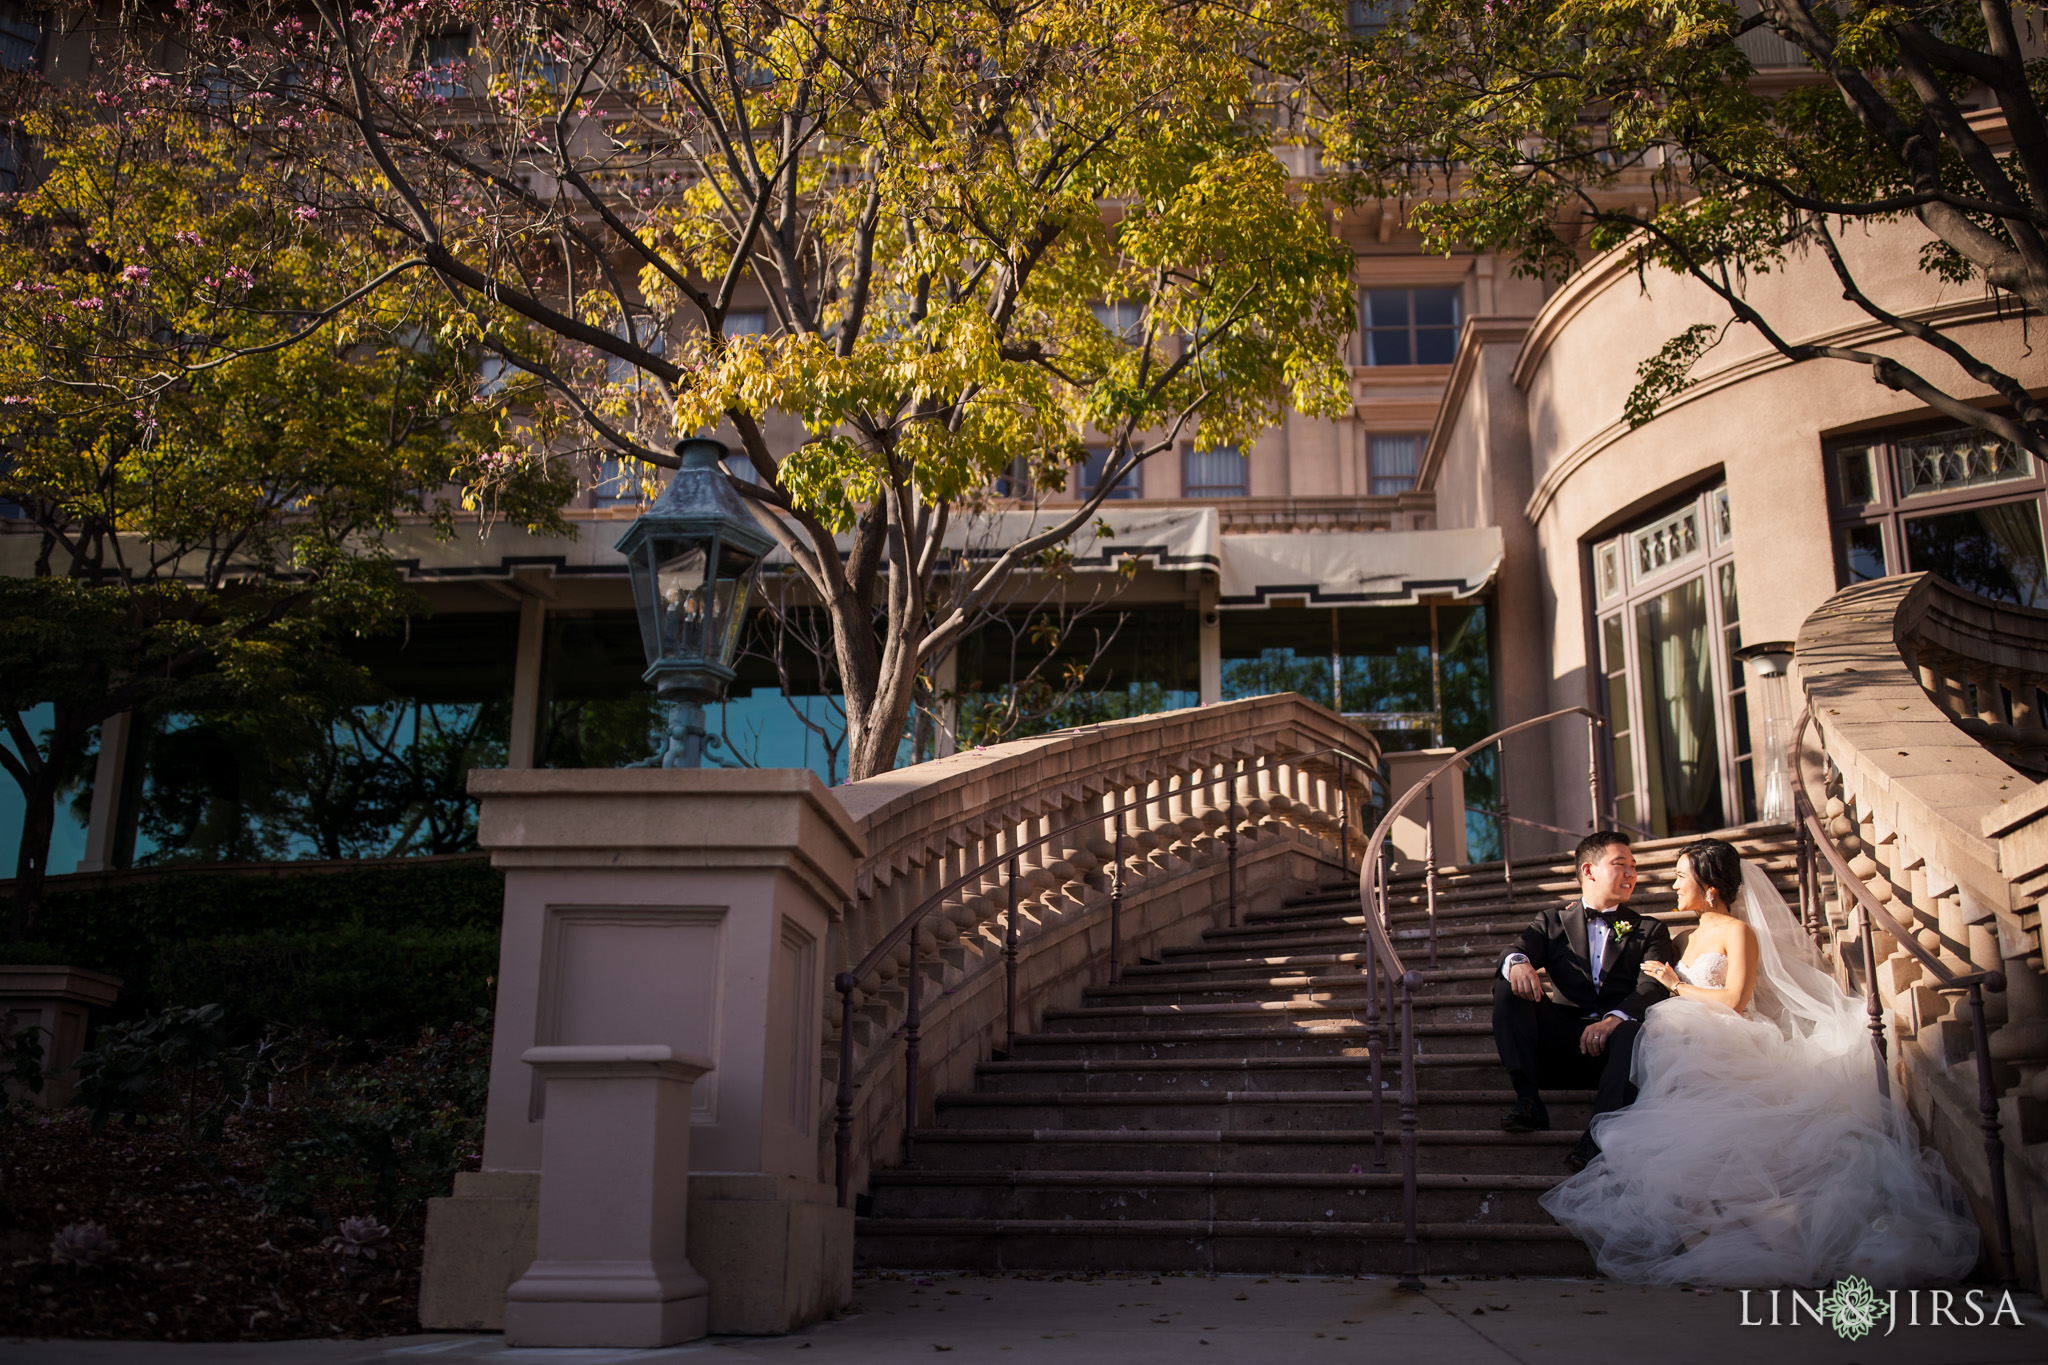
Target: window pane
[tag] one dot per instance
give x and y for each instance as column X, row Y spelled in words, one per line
column 1393, row 460
column 1993, row 551
column 1388, row 348
column 1126, row 320
column 1958, row 459
column 1683, row 751
column 1435, row 345
column 1863, row 552
column 746, row 324
column 21, row 36
column 1218, row 473
column 1855, row 476
column 1386, row 308
column 1614, row 663
column 1091, row 476
column 1670, row 540
column 1436, row 307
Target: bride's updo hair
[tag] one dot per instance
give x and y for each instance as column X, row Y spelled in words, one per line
column 1717, row 865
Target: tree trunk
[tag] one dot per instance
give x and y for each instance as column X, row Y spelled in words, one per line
column 32, row 863
column 877, row 686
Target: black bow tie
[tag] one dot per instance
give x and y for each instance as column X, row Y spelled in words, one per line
column 1600, row 917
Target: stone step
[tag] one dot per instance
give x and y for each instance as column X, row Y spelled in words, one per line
column 1276, row 1074
column 1241, row 1111
column 1317, row 1040
column 1432, row 1010
column 1228, row 973
column 1228, row 1196
column 1349, row 986
column 1307, row 1248
column 1481, row 1151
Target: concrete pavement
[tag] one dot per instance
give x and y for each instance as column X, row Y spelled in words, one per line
column 1221, row 1320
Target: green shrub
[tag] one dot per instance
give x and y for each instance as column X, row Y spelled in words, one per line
column 355, row 982
column 129, row 926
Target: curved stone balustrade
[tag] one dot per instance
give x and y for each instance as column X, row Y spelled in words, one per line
column 708, row 913
column 1925, row 731
column 929, row 825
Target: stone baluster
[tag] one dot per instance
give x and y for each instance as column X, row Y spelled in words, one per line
column 1988, row 701
column 2022, row 1043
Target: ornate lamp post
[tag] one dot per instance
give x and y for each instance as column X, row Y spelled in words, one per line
column 693, row 556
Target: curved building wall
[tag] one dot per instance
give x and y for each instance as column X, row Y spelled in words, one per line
column 1548, row 428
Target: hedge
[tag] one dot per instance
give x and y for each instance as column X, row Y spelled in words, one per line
column 356, row 925
column 359, row 983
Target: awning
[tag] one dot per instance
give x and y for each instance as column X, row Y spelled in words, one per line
column 1326, row 568
column 1357, row 568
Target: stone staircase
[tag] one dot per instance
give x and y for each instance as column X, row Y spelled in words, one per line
column 1213, row 1111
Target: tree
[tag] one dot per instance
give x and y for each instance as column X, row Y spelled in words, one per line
column 209, row 442
column 985, row 232
column 1548, row 128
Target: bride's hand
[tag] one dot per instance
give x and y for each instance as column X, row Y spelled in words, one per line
column 1662, row 974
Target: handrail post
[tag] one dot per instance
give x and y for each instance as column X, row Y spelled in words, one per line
column 1010, row 965
column 1873, row 1005
column 1994, row 1145
column 1230, row 809
column 842, row 1129
column 1507, row 846
column 1343, row 814
column 1410, row 1233
column 1116, row 902
column 1375, row 1038
column 1428, row 868
column 1593, row 775
column 912, row 1018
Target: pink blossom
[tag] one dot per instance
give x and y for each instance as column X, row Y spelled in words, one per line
column 305, row 213
column 135, row 274
column 91, row 305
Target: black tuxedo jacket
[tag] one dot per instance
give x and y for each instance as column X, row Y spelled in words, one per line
column 1556, row 941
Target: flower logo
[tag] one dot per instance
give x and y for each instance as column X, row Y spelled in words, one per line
column 1852, row 1308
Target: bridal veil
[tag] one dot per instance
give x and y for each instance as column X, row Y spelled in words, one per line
column 1758, row 1152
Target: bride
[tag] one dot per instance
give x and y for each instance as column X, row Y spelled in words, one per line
column 1758, row 1152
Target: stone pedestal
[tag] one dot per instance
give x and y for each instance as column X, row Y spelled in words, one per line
column 59, row 1001
column 1410, row 837
column 686, row 908
column 614, row 1203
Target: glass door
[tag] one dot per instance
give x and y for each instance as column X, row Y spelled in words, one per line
column 1667, row 620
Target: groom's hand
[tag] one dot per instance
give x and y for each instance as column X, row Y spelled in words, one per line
column 1522, row 981
column 1593, row 1042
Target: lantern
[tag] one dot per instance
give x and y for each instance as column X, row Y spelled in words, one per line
column 692, row 556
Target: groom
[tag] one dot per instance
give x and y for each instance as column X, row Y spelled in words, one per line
column 1594, row 950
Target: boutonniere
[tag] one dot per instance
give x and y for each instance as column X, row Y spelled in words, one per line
column 1622, row 927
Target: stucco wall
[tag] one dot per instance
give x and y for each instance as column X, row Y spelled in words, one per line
column 1751, row 415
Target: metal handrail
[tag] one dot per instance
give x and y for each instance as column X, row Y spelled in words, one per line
column 847, row 982
column 1381, row 954
column 1813, row 834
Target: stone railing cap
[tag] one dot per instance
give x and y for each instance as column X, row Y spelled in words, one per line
column 71, row 983
column 616, row 1059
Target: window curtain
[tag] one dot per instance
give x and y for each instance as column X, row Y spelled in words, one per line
column 1671, row 632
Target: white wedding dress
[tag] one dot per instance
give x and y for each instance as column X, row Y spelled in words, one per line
column 1758, row 1152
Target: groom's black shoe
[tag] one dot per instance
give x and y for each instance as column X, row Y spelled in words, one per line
column 1582, row 1155
column 1528, row 1116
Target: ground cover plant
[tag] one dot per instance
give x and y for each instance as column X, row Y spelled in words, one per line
column 205, row 1187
